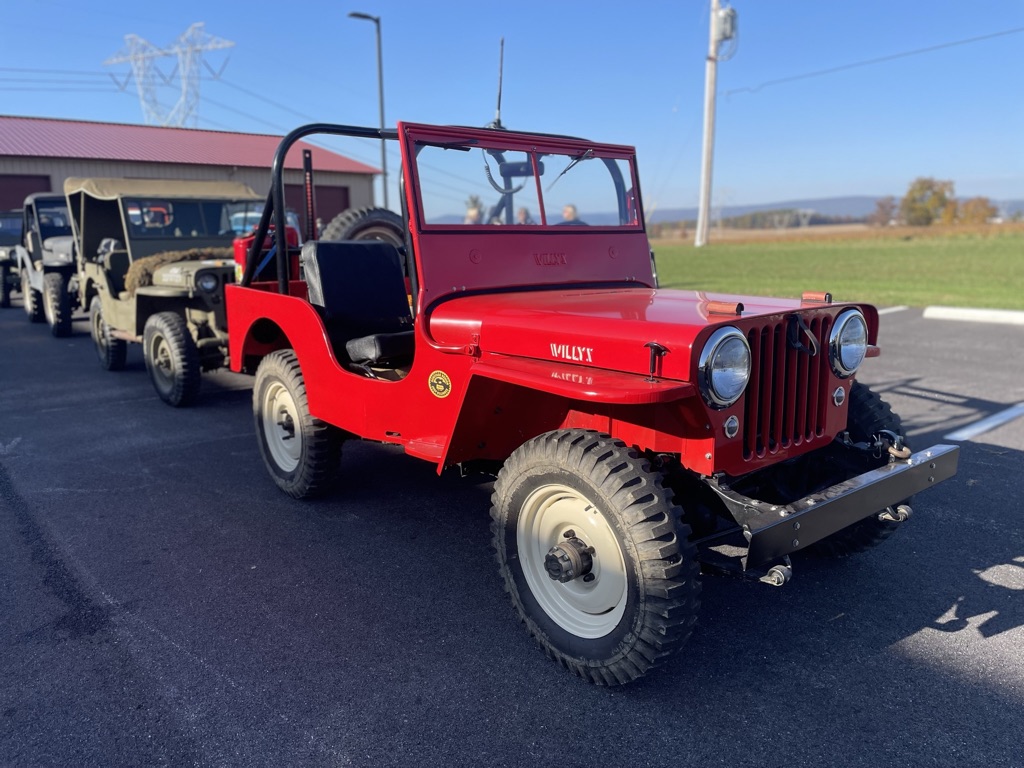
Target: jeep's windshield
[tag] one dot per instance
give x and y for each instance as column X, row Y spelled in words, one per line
column 52, row 216
column 198, row 219
column 10, row 228
column 486, row 183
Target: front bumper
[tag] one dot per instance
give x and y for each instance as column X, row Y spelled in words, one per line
column 775, row 530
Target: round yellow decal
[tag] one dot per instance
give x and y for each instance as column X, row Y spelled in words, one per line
column 440, row 384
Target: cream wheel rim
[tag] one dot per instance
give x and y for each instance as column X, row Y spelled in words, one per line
column 281, row 426
column 587, row 609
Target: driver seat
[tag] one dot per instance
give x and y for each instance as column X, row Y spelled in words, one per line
column 358, row 288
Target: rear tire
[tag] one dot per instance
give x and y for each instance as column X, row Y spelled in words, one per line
column 366, row 224
column 301, row 452
column 578, row 494
column 111, row 352
column 172, row 359
column 57, row 304
column 33, row 301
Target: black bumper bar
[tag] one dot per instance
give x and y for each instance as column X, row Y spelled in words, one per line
column 776, row 530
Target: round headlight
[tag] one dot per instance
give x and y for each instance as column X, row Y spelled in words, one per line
column 848, row 343
column 724, row 367
column 207, row 282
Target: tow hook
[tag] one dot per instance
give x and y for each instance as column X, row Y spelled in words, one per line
column 778, row 575
column 900, row 514
column 896, row 447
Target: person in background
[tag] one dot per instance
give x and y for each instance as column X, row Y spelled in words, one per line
column 523, row 216
column 569, row 215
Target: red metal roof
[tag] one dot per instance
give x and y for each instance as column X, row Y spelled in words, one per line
column 46, row 137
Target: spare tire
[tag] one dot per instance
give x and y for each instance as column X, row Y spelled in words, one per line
column 366, row 224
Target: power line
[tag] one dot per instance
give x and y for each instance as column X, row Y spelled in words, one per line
column 879, row 60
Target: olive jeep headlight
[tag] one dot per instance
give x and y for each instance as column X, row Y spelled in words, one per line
column 207, row 281
column 848, row 343
column 724, row 367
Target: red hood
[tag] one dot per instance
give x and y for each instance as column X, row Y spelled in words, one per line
column 601, row 328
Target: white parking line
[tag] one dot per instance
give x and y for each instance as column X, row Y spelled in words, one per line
column 1008, row 316
column 890, row 310
column 986, row 424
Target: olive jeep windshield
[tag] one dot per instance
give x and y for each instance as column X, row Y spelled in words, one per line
column 159, row 218
column 476, row 183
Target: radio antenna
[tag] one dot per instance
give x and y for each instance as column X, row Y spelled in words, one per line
column 501, row 65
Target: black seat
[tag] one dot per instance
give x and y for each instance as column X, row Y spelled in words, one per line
column 358, row 288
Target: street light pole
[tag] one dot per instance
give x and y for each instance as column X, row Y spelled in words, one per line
column 723, row 27
column 380, row 89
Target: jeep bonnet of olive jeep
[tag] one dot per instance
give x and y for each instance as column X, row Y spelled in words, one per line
column 154, row 257
column 639, row 435
column 45, row 262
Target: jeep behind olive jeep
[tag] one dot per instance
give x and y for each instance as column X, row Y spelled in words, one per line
column 639, row 435
column 154, row 257
column 45, row 262
column 10, row 238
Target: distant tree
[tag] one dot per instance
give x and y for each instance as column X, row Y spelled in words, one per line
column 977, row 210
column 885, row 211
column 926, row 200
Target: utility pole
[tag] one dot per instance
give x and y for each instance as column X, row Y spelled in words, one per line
column 380, row 99
column 723, row 27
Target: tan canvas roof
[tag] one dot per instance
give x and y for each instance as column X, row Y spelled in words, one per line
column 111, row 189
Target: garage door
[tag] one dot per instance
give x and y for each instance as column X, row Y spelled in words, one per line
column 14, row 189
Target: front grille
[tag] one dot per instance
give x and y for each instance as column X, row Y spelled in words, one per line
column 787, row 396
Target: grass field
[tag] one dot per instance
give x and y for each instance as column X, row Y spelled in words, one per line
column 981, row 268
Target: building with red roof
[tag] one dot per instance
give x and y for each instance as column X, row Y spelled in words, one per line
column 37, row 154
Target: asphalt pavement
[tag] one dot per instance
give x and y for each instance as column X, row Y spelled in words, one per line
column 162, row 603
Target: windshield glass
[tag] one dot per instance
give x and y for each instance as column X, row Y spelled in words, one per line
column 469, row 185
column 52, row 216
column 10, row 228
column 190, row 218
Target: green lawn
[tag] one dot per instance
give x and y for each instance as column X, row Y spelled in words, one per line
column 955, row 270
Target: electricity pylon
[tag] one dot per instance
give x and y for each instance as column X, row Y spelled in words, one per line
column 188, row 49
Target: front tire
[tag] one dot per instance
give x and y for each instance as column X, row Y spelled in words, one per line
column 5, row 288
column 32, row 299
column 57, row 304
column 301, row 452
column 111, row 352
column 172, row 359
column 868, row 415
column 614, row 614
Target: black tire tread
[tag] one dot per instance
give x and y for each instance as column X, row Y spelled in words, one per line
column 112, row 353
column 351, row 224
column 187, row 368
column 58, row 301
column 869, row 413
column 32, row 298
column 317, row 472
column 671, row 575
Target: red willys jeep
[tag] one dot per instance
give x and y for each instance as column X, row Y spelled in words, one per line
column 638, row 435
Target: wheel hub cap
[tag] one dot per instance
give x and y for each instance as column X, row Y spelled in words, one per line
column 569, row 559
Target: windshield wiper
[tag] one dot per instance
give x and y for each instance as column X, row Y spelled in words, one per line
column 462, row 146
column 572, row 163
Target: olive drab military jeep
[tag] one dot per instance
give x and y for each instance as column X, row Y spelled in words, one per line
column 153, row 260
column 640, row 436
column 45, row 263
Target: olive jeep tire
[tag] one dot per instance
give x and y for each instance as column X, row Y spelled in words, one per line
column 57, row 304
column 5, row 288
column 172, row 359
column 366, row 224
column 111, row 352
column 635, row 603
column 301, row 452
column 33, row 301
column 868, row 415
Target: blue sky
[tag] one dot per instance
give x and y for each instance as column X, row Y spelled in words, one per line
column 622, row 72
